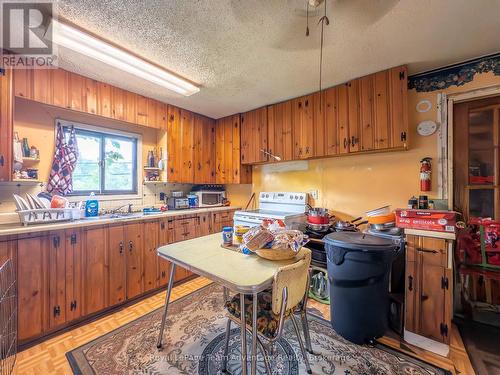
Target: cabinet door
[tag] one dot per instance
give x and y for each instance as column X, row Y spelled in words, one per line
column 187, row 147
column 174, row 160
column 141, row 110
column 222, row 148
column 153, row 113
column 91, row 96
column 399, row 106
column 151, row 240
column 254, row 136
column 343, row 119
column 23, row 82
column 60, row 88
column 42, row 85
column 103, row 99
column 77, row 101
column 32, row 290
column 203, row 225
column 164, row 239
column 6, row 124
column 57, row 279
column 279, row 127
column 74, row 268
column 432, row 302
column 118, row 103
column 161, row 116
column 366, row 112
column 331, row 122
column 204, row 150
column 303, row 127
column 117, row 265
column 95, row 270
column 8, row 250
column 411, row 293
column 134, row 245
column 354, row 116
column 381, row 110
column 130, row 110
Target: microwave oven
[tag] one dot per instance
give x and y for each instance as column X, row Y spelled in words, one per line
column 210, row 198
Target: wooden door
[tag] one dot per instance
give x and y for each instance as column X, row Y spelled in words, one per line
column 103, row 99
column 42, row 85
column 186, row 128
column 117, row 248
column 95, row 270
column 32, row 291
column 74, row 268
column 130, row 110
column 133, row 236
column 343, row 119
column 331, row 122
column 279, row 127
column 161, row 116
column 77, row 89
column 151, row 244
column 152, row 121
column 8, row 250
column 223, row 166
column 254, row 136
column 118, row 103
column 303, row 127
column 23, row 82
column 366, row 113
column 399, row 106
column 57, row 279
column 60, row 88
column 91, row 96
column 141, row 116
column 354, row 115
column 382, row 119
column 432, row 299
column 204, row 150
column 6, row 123
column 174, row 160
column 164, row 239
column 203, row 227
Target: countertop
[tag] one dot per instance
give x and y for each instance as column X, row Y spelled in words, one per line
column 17, row 228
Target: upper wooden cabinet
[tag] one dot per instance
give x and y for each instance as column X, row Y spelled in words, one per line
column 228, row 168
column 6, row 124
column 399, row 106
column 279, row 125
column 308, row 126
column 254, row 136
column 204, row 150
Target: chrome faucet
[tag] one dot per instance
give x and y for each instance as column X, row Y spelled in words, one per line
column 115, row 210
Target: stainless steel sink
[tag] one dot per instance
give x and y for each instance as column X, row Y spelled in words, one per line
column 118, row 215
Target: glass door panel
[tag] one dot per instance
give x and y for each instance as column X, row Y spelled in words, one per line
column 481, row 202
column 481, row 147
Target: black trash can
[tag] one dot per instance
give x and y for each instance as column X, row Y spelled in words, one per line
column 358, row 271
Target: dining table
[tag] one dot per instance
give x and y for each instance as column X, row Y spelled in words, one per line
column 230, row 268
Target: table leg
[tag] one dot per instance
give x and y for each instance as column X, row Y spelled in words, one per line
column 254, row 334
column 243, row 335
column 167, row 301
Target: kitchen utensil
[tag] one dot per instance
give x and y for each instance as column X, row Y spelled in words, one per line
column 386, row 210
column 319, row 227
column 383, row 226
column 21, row 203
column 318, row 215
column 45, row 198
column 382, row 219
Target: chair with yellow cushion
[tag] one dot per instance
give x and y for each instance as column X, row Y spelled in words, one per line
column 287, row 297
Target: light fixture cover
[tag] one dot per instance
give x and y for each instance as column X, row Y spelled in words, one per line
column 81, row 42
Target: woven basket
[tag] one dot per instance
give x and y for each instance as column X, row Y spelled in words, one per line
column 276, row 254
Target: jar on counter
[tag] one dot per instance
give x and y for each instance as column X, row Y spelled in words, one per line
column 227, row 235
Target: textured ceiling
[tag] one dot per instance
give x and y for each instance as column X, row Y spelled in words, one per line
column 248, row 53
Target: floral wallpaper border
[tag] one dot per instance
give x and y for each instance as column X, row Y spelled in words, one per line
column 455, row 75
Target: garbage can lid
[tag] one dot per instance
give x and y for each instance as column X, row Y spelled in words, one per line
column 359, row 241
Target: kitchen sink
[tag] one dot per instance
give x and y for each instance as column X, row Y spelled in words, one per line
column 117, row 215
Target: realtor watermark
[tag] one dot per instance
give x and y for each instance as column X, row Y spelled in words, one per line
column 27, row 34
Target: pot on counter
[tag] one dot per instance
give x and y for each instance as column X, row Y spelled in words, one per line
column 318, row 216
column 349, row 226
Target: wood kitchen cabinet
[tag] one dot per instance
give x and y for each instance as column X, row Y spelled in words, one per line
column 76, row 93
column 221, row 219
column 308, row 126
column 74, row 273
column 150, row 260
column 118, row 102
column 164, row 238
column 254, row 136
column 104, row 99
column 141, row 108
column 279, row 124
column 42, row 85
column 429, row 283
column 6, row 123
column 203, row 225
column 228, row 168
column 203, row 150
column 95, row 253
column 399, row 106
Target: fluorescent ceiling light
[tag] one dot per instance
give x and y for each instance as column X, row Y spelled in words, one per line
column 78, row 41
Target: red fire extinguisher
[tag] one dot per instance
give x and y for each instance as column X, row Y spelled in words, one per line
column 425, row 174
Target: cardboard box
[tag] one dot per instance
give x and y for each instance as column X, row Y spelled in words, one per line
column 435, row 220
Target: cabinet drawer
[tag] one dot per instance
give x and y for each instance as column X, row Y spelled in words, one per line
column 178, row 223
column 434, row 251
column 223, row 216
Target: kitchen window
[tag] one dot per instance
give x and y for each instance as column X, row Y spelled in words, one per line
column 107, row 163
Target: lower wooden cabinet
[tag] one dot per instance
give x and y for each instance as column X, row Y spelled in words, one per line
column 150, row 259
column 428, row 288
column 96, row 268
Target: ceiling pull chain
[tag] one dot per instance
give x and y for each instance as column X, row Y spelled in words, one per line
column 323, row 20
column 307, row 18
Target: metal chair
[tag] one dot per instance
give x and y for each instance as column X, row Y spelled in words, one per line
column 287, row 298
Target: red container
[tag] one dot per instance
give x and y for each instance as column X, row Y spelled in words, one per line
column 434, row 220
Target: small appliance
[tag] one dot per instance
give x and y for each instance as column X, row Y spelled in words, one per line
column 178, row 203
column 209, row 195
column 285, row 206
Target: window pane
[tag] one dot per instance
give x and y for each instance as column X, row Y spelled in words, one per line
column 119, row 164
column 86, row 176
column 481, row 148
column 481, row 202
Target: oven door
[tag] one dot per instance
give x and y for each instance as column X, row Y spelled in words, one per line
column 247, row 220
column 210, row 199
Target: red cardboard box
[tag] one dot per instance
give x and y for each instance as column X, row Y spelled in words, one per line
column 435, row 220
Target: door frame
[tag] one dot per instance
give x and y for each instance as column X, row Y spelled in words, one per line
column 452, row 99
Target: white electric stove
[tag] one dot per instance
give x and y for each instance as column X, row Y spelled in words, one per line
column 286, row 206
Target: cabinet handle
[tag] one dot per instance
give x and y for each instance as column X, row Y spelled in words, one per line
column 427, row 251
column 410, row 283
column 353, row 141
column 307, row 150
column 307, row 103
column 424, row 297
column 130, row 245
column 121, row 247
column 190, row 164
column 162, row 225
column 57, row 311
column 403, row 136
column 345, row 143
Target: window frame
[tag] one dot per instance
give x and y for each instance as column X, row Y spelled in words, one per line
column 103, row 134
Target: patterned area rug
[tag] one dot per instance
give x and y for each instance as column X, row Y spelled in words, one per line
column 193, row 344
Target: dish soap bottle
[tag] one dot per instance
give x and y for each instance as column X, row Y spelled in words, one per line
column 92, row 206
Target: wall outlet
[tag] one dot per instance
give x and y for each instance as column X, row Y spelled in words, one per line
column 314, row 194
